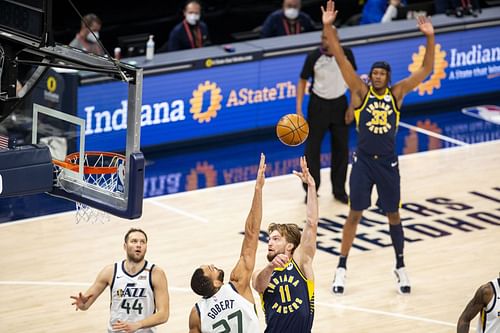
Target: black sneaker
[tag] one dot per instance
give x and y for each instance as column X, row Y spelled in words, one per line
column 342, row 198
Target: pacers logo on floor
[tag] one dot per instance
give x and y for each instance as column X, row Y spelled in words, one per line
column 208, row 90
column 440, row 64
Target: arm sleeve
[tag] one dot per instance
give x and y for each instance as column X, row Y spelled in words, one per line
column 268, row 27
column 390, row 14
column 308, row 68
column 173, row 41
column 307, row 22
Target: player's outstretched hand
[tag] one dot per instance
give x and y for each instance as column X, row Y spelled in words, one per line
column 425, row 25
column 329, row 14
column 261, row 173
column 304, row 175
column 80, row 301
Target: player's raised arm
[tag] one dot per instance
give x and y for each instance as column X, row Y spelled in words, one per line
column 242, row 272
column 307, row 248
column 405, row 86
column 84, row 301
column 356, row 85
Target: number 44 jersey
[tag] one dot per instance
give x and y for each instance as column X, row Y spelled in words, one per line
column 132, row 297
column 227, row 311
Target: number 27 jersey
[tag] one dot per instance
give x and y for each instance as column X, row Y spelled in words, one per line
column 132, row 296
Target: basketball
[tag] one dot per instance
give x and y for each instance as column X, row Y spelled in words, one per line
column 292, row 129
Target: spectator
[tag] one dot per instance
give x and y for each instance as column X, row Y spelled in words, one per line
column 287, row 21
column 191, row 33
column 458, row 8
column 376, row 11
column 86, row 39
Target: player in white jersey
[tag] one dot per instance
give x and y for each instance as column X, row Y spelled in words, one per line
column 486, row 302
column 230, row 307
column 139, row 293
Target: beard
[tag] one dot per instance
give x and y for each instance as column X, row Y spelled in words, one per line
column 271, row 256
column 133, row 257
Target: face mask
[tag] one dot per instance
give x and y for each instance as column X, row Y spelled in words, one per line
column 91, row 38
column 291, row 13
column 192, row 18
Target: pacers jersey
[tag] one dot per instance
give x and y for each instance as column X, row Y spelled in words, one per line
column 132, row 297
column 489, row 318
column 288, row 301
column 376, row 122
column 227, row 311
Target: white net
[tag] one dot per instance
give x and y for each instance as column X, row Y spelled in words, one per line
column 101, row 170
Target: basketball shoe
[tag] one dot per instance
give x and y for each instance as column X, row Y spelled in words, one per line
column 402, row 280
column 339, row 281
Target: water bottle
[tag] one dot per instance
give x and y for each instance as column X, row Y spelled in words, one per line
column 150, row 48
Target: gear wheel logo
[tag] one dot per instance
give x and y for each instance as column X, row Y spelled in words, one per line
column 197, row 102
column 205, row 170
column 440, row 64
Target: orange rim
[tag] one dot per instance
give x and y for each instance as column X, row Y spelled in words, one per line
column 68, row 164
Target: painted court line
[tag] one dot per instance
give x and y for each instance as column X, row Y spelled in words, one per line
column 178, row 211
column 179, row 289
column 384, row 313
column 68, row 284
column 433, row 134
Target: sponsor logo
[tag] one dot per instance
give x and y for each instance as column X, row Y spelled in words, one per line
column 489, row 113
column 215, row 98
column 51, row 84
column 227, row 61
column 438, row 74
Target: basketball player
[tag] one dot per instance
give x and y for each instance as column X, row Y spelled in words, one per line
column 139, row 294
column 286, row 284
column 376, row 113
column 231, row 307
column 487, row 302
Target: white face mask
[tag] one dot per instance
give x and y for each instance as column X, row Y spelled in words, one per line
column 291, row 13
column 91, row 38
column 192, row 18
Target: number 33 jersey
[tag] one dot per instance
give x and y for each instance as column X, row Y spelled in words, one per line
column 227, row 311
column 132, row 297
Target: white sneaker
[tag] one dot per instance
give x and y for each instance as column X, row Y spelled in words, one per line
column 339, row 281
column 402, row 280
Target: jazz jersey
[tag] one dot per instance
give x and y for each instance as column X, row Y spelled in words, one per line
column 227, row 311
column 132, row 297
column 288, row 301
column 489, row 318
column 377, row 121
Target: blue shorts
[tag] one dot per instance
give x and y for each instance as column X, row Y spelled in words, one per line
column 382, row 171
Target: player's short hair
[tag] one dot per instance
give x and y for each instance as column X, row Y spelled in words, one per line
column 201, row 284
column 89, row 19
column 290, row 231
column 135, row 230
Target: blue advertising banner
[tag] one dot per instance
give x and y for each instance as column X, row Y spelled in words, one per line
column 229, row 99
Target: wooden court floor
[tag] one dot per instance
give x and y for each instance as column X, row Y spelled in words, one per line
column 451, row 218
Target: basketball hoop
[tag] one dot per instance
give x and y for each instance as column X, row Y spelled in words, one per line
column 104, row 171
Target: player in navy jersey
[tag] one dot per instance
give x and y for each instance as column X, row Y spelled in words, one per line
column 286, row 284
column 377, row 106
